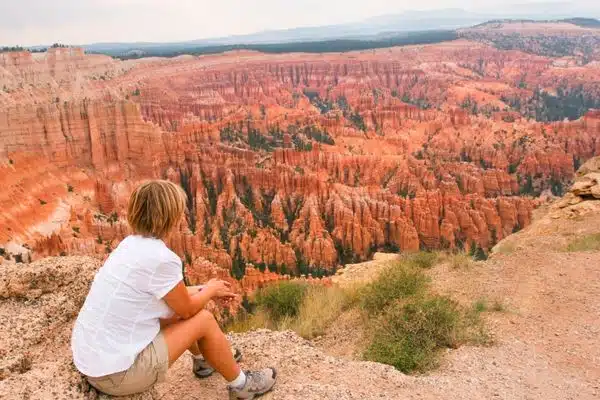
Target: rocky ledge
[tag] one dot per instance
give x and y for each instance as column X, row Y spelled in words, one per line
column 586, row 186
column 39, row 302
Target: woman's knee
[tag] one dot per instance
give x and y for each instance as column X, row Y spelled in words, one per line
column 204, row 324
column 205, row 318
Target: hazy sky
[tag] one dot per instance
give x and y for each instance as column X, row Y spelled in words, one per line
column 29, row 22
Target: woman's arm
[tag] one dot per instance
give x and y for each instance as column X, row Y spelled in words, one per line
column 193, row 290
column 186, row 306
column 164, row 322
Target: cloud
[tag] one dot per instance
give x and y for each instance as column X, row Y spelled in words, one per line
column 29, row 22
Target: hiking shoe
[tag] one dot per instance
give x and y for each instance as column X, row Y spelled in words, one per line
column 257, row 384
column 203, row 370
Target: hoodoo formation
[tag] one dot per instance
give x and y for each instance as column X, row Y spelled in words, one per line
column 293, row 163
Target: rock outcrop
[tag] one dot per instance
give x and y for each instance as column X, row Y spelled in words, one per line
column 586, row 185
column 38, row 304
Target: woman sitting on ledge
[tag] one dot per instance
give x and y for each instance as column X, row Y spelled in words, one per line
column 139, row 317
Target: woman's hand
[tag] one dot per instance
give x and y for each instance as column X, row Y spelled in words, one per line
column 219, row 288
column 186, row 306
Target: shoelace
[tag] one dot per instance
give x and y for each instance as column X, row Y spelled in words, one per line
column 255, row 380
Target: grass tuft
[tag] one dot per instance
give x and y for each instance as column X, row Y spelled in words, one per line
column 245, row 322
column 498, row 306
column 586, row 243
column 398, row 281
column 483, row 305
column 460, row 261
column 321, row 307
column 480, row 306
column 282, row 300
column 318, row 308
column 410, row 336
column 423, row 259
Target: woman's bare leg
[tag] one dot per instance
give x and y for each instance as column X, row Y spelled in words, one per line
column 194, row 349
column 202, row 332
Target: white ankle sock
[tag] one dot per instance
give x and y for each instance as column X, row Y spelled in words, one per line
column 197, row 357
column 238, row 382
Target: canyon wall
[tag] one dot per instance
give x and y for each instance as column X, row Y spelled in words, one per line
column 294, row 163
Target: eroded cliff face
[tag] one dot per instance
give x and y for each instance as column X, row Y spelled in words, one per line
column 294, row 163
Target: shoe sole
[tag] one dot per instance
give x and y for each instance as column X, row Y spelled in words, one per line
column 207, row 373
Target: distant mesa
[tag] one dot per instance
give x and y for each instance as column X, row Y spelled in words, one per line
column 580, row 22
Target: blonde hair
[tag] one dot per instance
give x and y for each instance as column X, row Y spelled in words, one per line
column 155, row 208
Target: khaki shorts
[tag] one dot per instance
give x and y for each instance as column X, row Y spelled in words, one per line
column 149, row 367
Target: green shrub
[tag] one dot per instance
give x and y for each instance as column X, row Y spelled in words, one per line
column 480, row 305
column 477, row 253
column 409, row 336
column 281, row 300
column 358, row 121
column 113, row 217
column 396, row 282
column 423, row 259
column 483, row 305
column 586, row 243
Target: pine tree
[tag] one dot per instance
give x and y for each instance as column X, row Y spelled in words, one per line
column 238, row 265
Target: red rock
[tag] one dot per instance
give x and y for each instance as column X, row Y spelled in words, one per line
column 410, row 178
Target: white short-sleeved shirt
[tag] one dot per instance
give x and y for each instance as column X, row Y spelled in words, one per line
column 121, row 313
